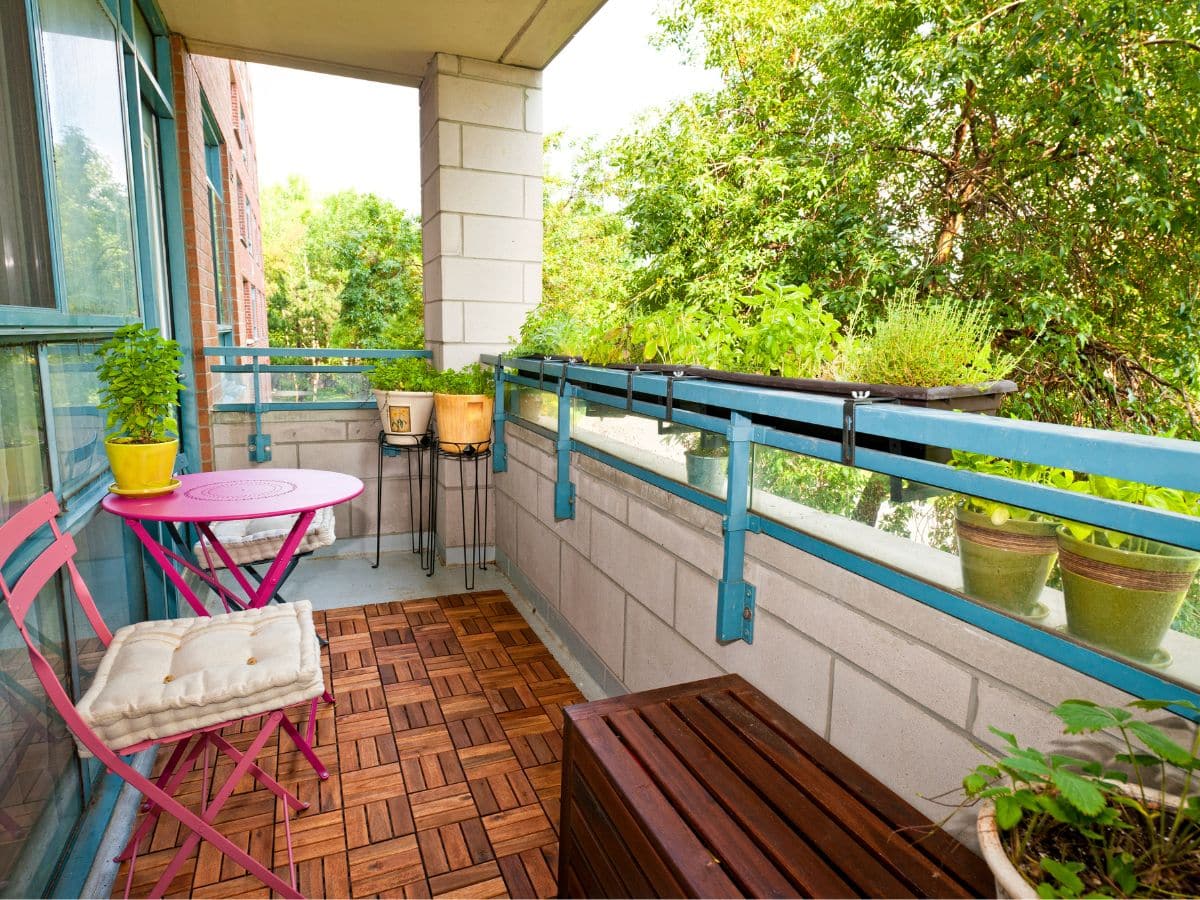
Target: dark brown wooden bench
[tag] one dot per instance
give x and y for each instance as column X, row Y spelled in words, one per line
column 709, row 789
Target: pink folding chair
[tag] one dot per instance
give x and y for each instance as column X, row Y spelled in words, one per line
column 177, row 682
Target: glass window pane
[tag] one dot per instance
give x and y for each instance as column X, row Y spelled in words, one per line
column 143, row 37
column 23, row 475
column 152, row 166
column 216, row 210
column 83, row 81
column 78, row 424
column 40, row 795
column 24, row 243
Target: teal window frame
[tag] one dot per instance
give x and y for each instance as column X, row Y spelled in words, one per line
column 219, row 220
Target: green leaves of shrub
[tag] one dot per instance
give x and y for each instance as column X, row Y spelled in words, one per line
column 404, row 374
column 140, row 385
column 470, row 379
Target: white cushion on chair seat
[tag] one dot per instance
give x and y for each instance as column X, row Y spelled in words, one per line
column 162, row 678
column 259, row 540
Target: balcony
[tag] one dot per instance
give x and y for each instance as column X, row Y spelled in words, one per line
column 611, row 571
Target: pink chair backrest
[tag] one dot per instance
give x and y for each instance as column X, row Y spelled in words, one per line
column 61, row 552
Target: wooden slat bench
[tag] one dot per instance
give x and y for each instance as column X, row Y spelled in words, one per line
column 709, row 789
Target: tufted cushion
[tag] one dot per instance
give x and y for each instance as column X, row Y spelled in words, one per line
column 158, row 679
column 258, row 540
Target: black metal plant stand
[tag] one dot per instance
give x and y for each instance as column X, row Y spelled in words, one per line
column 422, row 538
column 475, row 553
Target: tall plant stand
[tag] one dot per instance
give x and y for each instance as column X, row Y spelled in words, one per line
column 421, row 530
column 474, row 462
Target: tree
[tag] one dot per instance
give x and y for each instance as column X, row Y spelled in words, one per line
column 1041, row 156
column 343, row 272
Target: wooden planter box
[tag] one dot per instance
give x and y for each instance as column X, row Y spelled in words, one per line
column 709, row 789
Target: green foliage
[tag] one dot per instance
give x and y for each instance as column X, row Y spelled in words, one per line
column 927, row 344
column 470, row 379
column 998, row 512
column 1077, row 827
column 140, row 385
column 344, row 272
column 404, row 374
column 1184, row 503
column 1033, row 159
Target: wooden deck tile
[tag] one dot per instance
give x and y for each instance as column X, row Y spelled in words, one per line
column 443, row 749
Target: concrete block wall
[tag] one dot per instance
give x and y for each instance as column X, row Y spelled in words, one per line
column 481, row 204
column 336, row 440
column 346, row 441
column 629, row 585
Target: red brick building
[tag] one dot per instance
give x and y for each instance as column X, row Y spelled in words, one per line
column 221, row 216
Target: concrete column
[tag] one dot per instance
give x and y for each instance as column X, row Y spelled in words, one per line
column 481, row 204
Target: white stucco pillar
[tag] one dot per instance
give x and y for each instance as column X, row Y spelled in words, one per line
column 481, row 204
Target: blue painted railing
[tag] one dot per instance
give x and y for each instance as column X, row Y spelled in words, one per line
column 737, row 411
column 259, row 443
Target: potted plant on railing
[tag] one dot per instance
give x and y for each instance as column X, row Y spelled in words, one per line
column 404, row 394
column 1056, row 826
column 1007, row 552
column 464, row 402
column 707, row 460
column 1123, row 592
column 139, row 378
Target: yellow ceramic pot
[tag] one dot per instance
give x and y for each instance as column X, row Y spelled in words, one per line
column 141, row 467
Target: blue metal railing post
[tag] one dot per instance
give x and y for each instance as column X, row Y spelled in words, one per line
column 735, row 598
column 499, row 448
column 259, row 444
column 564, row 490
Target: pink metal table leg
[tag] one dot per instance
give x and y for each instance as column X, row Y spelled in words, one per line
column 159, row 555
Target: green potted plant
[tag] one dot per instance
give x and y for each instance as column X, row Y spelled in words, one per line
column 1006, row 552
column 1123, row 592
column 404, row 395
column 1052, row 825
column 464, row 402
column 139, row 389
column 707, row 460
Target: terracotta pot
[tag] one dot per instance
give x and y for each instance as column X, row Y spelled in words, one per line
column 404, row 415
column 464, row 422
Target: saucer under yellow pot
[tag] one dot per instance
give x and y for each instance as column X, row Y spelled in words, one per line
column 142, row 467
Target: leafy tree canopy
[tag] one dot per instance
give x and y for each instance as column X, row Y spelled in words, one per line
column 1038, row 157
column 341, row 272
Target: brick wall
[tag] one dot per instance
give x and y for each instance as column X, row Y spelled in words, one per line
column 630, row 586
column 219, row 80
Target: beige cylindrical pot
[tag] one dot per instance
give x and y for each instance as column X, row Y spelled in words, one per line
column 1009, row 880
column 404, row 414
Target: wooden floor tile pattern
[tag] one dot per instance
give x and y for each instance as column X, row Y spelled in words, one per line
column 444, row 749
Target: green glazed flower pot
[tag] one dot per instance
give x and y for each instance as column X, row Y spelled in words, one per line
column 1006, row 565
column 708, row 473
column 1124, row 600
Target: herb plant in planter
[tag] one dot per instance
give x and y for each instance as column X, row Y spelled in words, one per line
column 139, row 375
column 1007, row 552
column 1055, row 826
column 1123, row 592
column 404, row 393
column 464, row 401
column 707, row 462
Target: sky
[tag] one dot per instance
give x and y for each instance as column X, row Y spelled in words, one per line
column 367, row 139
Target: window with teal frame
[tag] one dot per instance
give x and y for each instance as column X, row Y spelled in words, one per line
column 218, row 227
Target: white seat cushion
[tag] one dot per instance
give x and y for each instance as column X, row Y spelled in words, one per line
column 159, row 679
column 259, row 540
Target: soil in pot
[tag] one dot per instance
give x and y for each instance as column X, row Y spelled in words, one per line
column 1006, row 565
column 404, row 415
column 464, row 422
column 141, row 467
column 1124, row 600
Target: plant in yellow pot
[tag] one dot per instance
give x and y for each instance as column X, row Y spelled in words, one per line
column 139, row 375
column 464, row 402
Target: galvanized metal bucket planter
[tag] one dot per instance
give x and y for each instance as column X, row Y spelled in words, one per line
column 1006, row 565
column 1124, row 600
column 706, row 472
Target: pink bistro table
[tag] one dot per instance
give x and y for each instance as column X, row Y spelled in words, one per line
column 207, row 497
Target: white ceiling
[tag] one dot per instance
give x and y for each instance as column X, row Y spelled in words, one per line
column 382, row 40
